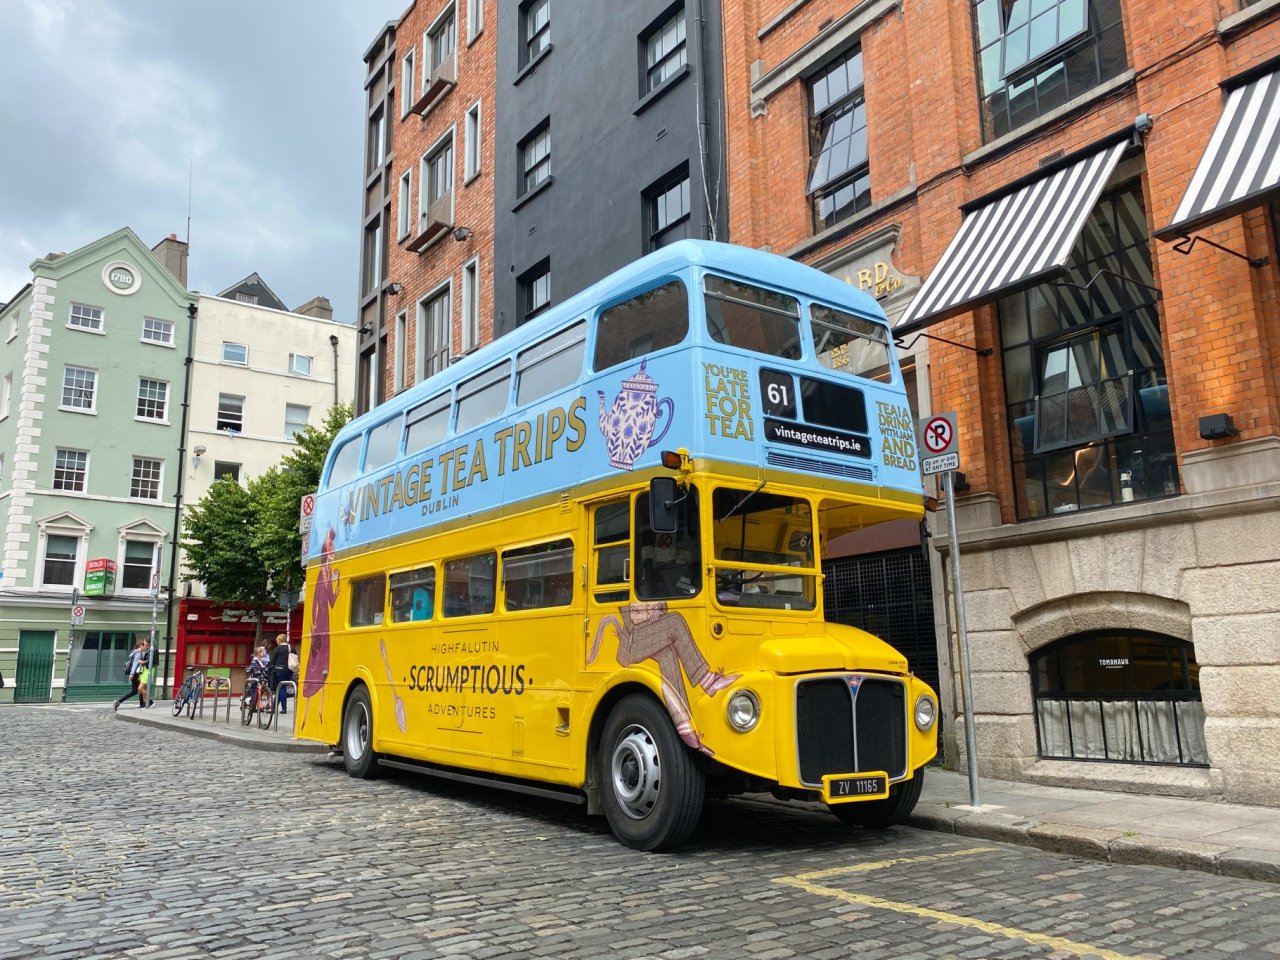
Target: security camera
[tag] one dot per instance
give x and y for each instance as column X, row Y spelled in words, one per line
column 199, row 451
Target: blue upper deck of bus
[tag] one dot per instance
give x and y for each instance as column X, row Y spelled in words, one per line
column 738, row 355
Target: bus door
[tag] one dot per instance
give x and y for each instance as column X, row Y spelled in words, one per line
column 608, row 579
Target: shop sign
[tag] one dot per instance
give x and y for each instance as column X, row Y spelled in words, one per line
column 100, row 578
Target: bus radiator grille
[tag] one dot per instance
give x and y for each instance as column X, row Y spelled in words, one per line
column 839, row 733
column 810, row 465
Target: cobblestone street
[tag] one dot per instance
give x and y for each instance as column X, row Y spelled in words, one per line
column 119, row 840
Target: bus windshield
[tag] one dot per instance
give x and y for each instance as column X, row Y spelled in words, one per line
column 755, row 533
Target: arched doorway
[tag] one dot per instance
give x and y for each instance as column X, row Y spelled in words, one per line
column 1128, row 696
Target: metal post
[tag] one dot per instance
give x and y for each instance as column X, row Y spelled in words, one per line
column 962, row 635
column 170, row 610
column 71, row 642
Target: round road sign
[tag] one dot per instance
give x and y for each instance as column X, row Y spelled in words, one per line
column 937, row 434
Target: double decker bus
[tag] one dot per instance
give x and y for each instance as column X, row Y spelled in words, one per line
column 584, row 561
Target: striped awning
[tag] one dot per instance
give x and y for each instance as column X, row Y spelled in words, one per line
column 1241, row 165
column 1014, row 240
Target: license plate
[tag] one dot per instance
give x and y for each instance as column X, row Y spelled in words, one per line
column 845, row 788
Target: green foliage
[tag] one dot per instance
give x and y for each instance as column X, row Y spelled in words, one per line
column 242, row 542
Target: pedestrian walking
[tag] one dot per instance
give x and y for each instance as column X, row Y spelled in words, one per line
column 133, row 670
column 281, row 657
column 144, row 676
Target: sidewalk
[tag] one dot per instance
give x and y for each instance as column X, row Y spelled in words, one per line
column 1234, row 840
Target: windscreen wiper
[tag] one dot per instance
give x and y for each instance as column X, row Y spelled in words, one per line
column 741, row 503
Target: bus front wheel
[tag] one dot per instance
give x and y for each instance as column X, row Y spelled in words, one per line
column 357, row 736
column 879, row 814
column 651, row 788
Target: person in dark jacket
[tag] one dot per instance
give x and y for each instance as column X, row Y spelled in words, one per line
column 279, row 657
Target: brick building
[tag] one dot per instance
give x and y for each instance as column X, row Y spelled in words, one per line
column 1015, row 181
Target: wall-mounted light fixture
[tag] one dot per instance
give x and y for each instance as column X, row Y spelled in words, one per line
column 394, row 288
column 462, row 234
column 198, row 453
column 1219, row 426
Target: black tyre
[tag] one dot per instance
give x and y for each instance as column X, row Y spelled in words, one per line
column 193, row 700
column 357, row 736
column 651, row 788
column 267, row 712
column 180, row 699
column 879, row 814
column 247, row 701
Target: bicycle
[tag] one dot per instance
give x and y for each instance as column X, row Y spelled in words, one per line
column 190, row 693
column 258, row 700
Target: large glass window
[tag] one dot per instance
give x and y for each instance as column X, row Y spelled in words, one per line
column 384, row 445
column 750, row 317
column 469, row 585
column 667, row 209
column 346, row 462
column 535, row 157
column 230, row 412
column 669, row 565
column 86, row 318
column 538, row 576
column 664, row 50
column 1085, row 385
column 550, row 365
column 843, row 341
column 654, row 320
column 535, row 29
column 144, row 482
column 1119, row 695
column 60, row 560
column 840, row 181
column 70, row 469
column 442, row 38
column 428, row 423
column 754, row 530
column 79, row 388
column 139, row 555
column 413, row 595
column 153, row 399
column 483, row 397
column 368, row 598
column 435, row 332
column 1036, row 55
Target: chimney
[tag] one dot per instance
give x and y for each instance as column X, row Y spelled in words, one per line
column 317, row 307
column 172, row 253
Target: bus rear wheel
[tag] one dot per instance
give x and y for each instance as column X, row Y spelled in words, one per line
column 357, row 736
column 651, row 788
column 879, row 814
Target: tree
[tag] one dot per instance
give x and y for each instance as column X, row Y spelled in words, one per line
column 218, row 535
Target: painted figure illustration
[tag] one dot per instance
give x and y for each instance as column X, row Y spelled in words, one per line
column 647, row 630
column 326, row 593
column 628, row 425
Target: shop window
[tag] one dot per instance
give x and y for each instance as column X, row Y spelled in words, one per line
column 1123, row 696
column 1085, row 386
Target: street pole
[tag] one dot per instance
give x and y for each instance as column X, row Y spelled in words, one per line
column 71, row 640
column 962, row 635
column 177, row 500
column 155, row 603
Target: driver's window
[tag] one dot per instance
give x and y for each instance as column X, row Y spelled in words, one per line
column 668, row 565
column 611, row 549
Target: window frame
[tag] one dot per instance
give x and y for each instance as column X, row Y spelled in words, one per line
column 135, row 479
column 470, row 329
column 163, row 402
column 475, row 20
column 527, row 290
column 824, row 126
column 218, row 422
column 80, row 535
column 676, row 15
column 231, row 360
column 297, row 425
column 473, row 141
column 534, row 43
column 445, row 25
column 408, row 81
column 404, row 220
column 81, row 468
column 432, row 357
column 170, row 342
column 293, row 364
column 535, row 167
column 97, row 317
column 92, row 389
column 657, row 196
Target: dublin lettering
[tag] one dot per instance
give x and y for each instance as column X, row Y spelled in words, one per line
column 468, row 678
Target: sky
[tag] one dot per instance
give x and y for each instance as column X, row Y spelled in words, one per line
column 107, row 107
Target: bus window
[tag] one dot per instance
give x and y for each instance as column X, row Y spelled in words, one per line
column 384, row 445
column 345, row 463
column 641, row 325
column 468, row 585
column 538, row 576
column 368, row 596
column 765, row 529
column 850, row 343
column 551, row 365
column 742, row 315
column 612, row 547
column 833, row 405
column 484, row 396
column 668, row 565
column 413, row 595
column 428, row 423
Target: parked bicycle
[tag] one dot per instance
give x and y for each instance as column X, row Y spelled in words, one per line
column 257, row 700
column 190, row 693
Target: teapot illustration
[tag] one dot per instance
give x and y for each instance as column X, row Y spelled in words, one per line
column 628, row 425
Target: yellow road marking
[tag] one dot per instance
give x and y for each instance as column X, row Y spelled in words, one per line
column 804, row 881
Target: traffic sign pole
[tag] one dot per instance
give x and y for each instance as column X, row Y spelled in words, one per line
column 962, row 635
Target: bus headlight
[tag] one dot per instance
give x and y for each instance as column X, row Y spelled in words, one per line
column 743, row 711
column 926, row 712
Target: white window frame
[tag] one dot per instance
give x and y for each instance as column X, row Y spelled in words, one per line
column 445, row 140
column 170, row 343
column 473, row 137
column 429, row 46
column 93, row 406
column 6, row 395
column 217, row 414
column 164, row 401
column 80, row 534
column 408, row 74
column 293, row 364
column 404, row 218
column 402, row 351
column 423, row 321
column 101, row 319
column 475, row 20
column 298, row 425
column 53, row 477
column 159, row 480
column 1, row 470
column 140, row 532
column 14, row 319
column 242, row 346
column 470, row 305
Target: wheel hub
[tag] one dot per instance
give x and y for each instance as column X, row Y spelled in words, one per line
column 636, row 774
column 357, row 732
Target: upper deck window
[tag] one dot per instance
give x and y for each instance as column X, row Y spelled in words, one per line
column 384, row 445
column 428, row 423
column 484, row 396
column 551, row 364
column 750, row 317
column 843, row 341
column 656, row 319
column 345, row 463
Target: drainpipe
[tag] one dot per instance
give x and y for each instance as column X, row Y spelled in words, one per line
column 177, row 499
column 333, row 342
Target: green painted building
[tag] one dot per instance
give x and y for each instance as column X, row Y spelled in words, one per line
column 92, row 360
